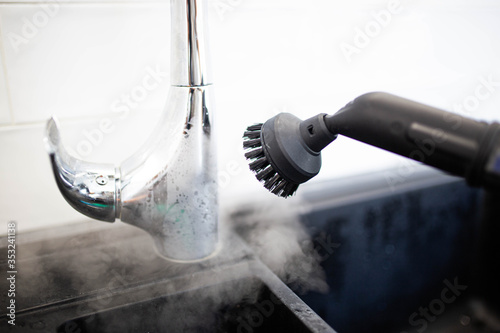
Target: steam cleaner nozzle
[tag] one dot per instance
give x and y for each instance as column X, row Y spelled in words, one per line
column 285, row 151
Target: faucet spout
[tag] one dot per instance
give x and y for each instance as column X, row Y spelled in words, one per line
column 90, row 188
column 169, row 187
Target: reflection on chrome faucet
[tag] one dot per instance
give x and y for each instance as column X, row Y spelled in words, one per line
column 168, row 187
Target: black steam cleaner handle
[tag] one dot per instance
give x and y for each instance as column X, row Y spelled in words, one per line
column 447, row 141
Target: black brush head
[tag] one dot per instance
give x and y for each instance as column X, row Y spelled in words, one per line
column 261, row 165
column 282, row 151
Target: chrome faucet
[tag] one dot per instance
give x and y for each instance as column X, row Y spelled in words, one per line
column 169, row 187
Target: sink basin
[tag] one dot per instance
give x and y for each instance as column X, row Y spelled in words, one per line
column 396, row 248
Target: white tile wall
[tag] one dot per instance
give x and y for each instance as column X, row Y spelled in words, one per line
column 77, row 60
column 268, row 56
column 27, row 191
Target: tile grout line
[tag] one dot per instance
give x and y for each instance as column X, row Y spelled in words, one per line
column 16, row 126
column 82, row 2
column 68, row 120
column 4, row 65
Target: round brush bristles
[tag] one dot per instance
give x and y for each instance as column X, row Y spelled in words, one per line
column 259, row 164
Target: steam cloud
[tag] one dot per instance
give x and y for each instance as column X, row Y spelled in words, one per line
column 274, row 231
